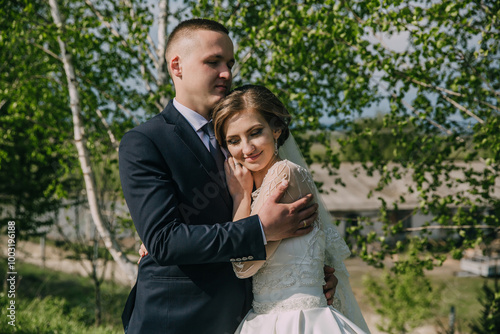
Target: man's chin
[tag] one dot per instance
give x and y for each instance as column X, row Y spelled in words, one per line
column 217, row 97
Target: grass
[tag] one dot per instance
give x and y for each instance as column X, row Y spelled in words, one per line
column 49, row 301
column 461, row 292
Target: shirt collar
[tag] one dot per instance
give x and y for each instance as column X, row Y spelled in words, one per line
column 194, row 119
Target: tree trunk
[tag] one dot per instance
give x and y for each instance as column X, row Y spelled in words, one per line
column 162, row 47
column 129, row 269
column 98, row 308
column 97, row 282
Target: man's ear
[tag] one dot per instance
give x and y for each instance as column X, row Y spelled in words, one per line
column 175, row 66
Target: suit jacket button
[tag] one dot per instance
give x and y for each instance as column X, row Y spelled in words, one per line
column 250, row 257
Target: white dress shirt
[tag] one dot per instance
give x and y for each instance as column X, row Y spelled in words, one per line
column 195, row 120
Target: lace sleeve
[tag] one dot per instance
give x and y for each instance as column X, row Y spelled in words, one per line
column 277, row 173
column 336, row 251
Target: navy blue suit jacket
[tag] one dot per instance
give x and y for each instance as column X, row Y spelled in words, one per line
column 182, row 211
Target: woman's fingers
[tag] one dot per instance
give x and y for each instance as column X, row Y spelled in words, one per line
column 142, row 252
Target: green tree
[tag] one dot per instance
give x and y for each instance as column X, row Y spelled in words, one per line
column 403, row 297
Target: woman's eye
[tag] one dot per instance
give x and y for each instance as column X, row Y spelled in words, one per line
column 257, row 132
column 232, row 142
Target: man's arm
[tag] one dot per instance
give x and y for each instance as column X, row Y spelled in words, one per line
column 150, row 193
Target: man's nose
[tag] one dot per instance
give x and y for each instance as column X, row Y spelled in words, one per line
column 225, row 72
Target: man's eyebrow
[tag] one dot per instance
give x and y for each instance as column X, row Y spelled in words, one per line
column 219, row 56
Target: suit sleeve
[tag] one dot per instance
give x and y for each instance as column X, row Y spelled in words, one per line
column 150, row 194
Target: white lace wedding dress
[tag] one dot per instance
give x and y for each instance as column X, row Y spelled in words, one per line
column 287, row 287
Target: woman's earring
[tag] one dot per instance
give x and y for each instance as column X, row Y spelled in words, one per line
column 275, row 147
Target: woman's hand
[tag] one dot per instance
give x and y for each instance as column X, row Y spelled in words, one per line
column 142, row 252
column 239, row 180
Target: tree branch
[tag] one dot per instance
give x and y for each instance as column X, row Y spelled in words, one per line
column 108, row 129
column 409, row 106
column 440, row 227
column 121, row 106
column 444, row 90
column 238, row 66
column 120, row 37
column 459, row 106
column 47, row 51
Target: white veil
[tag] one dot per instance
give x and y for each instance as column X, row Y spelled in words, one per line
column 336, row 248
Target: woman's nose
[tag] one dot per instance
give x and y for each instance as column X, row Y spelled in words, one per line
column 248, row 148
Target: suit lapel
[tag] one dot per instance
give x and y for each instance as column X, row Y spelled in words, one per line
column 192, row 141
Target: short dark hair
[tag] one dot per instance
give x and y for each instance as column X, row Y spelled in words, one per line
column 252, row 97
column 186, row 28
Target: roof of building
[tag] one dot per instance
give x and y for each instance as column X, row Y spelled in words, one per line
column 358, row 184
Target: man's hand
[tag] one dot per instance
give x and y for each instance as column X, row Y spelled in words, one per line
column 330, row 285
column 281, row 221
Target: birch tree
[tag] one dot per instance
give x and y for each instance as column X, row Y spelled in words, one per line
column 33, row 148
column 83, row 154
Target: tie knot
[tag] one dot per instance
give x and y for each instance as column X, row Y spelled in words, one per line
column 208, row 128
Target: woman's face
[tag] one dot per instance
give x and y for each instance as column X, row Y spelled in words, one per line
column 250, row 140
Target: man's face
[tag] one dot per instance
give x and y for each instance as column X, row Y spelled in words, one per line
column 205, row 70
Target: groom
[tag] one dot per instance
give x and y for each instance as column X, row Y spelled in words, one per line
column 180, row 205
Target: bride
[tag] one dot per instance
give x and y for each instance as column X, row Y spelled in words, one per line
column 252, row 124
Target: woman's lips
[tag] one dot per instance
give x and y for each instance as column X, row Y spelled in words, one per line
column 253, row 157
